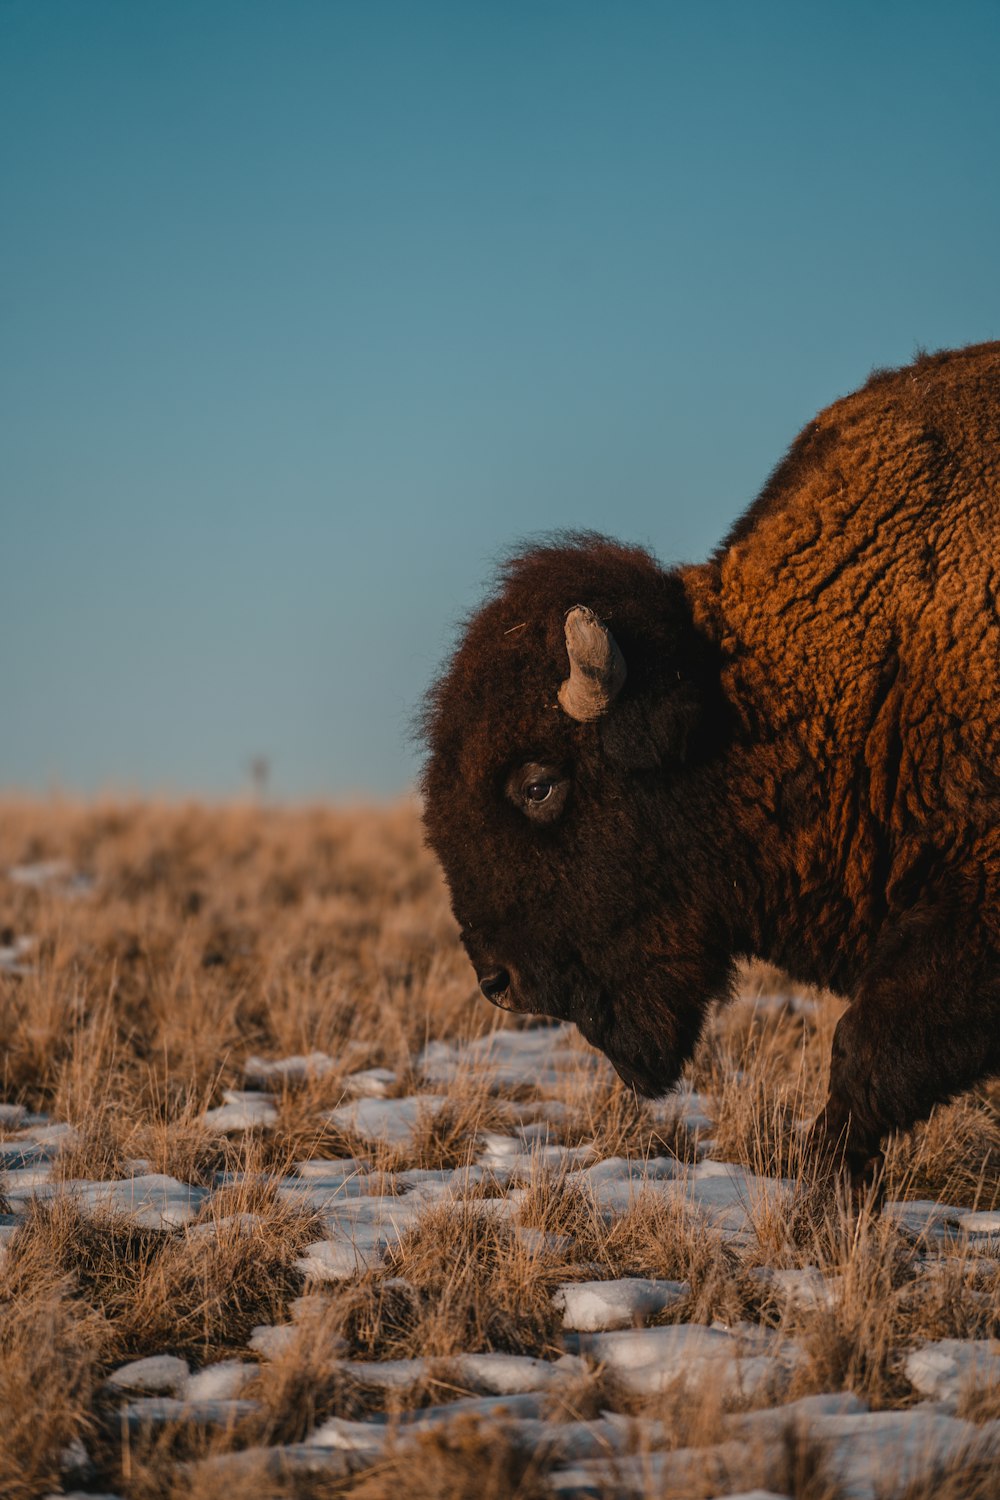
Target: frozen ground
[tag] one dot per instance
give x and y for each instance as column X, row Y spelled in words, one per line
column 611, row 1325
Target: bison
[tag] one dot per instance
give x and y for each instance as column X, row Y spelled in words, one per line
column 637, row 775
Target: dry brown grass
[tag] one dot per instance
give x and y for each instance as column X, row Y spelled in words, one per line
column 213, row 933
column 190, row 1293
column 52, row 1345
column 468, row 1461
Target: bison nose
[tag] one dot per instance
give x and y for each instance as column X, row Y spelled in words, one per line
column 495, row 983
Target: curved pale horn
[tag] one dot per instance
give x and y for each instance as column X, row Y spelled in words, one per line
column 596, row 666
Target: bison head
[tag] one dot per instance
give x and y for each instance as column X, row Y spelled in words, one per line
column 562, row 796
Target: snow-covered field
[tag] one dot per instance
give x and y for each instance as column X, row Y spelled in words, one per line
column 287, row 1207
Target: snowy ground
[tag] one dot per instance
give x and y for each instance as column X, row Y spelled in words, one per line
column 613, row 1325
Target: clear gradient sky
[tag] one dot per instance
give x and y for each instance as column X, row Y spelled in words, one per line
column 310, row 309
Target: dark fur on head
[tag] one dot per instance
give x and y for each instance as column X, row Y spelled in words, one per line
column 592, row 923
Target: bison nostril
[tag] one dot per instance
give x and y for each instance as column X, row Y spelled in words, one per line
column 494, row 984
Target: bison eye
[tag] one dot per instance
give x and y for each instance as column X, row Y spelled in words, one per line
column 540, row 791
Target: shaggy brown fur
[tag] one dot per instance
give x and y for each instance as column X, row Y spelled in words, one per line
column 804, row 762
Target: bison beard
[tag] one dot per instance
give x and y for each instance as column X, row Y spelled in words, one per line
column 638, row 776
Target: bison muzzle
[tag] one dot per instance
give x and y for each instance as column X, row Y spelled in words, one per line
column 637, row 776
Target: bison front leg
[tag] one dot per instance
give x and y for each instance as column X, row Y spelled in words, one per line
column 918, row 1031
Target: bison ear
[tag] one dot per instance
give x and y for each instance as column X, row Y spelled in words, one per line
column 674, row 703
column 650, row 732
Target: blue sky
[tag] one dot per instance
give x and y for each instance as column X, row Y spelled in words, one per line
column 309, row 310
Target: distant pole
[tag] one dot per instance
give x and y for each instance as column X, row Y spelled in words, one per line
column 260, row 773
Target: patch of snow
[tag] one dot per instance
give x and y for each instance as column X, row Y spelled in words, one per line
column 540, row 1437
column 370, row 1436
column 504, row 1207
column 824, row 1404
column 157, row 1411
column 650, row 1360
column 487, row 1374
column 40, row 873
column 768, row 1425
column 693, row 1109
column 512, row 1374
column 387, row 1374
column 241, row 1110
column 35, row 1146
column 160, row 1374
column 220, row 1382
column 888, row 1453
column 946, row 1369
column 538, row 1132
column 15, row 1156
column 864, row 1455
column 57, row 1134
column 872, row 1456
column 923, row 1218
column 326, row 1184
column 541, row 1058
column 395, row 1121
column 650, row 1473
column 981, row 1221
column 339, row 1260
column 589, row 1306
column 288, row 1070
column 525, row 1158
column 615, row 1172
column 728, row 1195
column 309, row 1305
column 359, row 1232
column 271, row 1340
column 20, row 1184
column 329, row 1169
column 340, row 1433
column 454, row 1179
column 151, row 1200
column 370, row 1083
column 542, row 1241
column 154, row 1201
column 568, row 1442
column 802, row 1290
column 229, row 1225
column 389, row 1213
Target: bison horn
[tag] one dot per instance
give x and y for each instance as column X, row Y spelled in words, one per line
column 596, row 666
